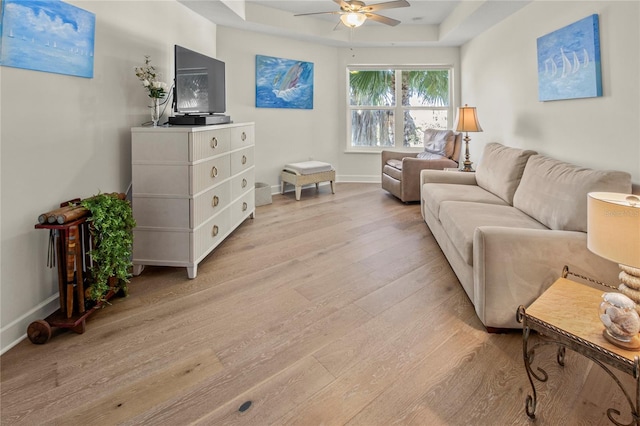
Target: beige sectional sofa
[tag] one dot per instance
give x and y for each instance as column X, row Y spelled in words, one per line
column 509, row 228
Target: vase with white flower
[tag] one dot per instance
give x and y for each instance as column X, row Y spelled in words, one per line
column 157, row 89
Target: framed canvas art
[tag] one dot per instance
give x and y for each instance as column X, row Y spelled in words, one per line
column 283, row 83
column 569, row 62
column 47, row 35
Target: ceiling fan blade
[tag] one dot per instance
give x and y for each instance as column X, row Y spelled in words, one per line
column 318, row 13
column 382, row 19
column 387, row 5
column 343, row 4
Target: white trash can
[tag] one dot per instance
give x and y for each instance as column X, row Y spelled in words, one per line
column 263, row 194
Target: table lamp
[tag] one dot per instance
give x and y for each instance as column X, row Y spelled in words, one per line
column 467, row 121
column 613, row 232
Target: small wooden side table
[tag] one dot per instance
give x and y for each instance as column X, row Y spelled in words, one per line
column 567, row 315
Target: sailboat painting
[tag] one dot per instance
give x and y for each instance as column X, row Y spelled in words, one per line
column 569, row 62
column 283, row 83
column 47, row 35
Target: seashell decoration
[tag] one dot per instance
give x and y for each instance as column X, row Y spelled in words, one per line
column 619, row 315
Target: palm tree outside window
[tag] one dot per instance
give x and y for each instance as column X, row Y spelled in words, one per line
column 377, row 121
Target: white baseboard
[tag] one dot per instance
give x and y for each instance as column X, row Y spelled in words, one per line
column 16, row 331
column 359, row 178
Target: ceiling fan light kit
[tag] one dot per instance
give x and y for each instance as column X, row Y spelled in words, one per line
column 354, row 13
column 353, row 19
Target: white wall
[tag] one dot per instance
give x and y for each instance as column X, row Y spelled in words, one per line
column 282, row 135
column 64, row 137
column 500, row 79
column 289, row 135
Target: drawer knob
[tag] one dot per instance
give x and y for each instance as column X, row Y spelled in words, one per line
column 215, row 201
column 244, row 159
column 244, row 183
column 244, row 207
column 243, row 136
column 214, row 231
column 214, row 172
column 214, row 143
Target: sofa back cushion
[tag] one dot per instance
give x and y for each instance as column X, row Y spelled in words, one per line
column 555, row 193
column 501, row 169
column 440, row 142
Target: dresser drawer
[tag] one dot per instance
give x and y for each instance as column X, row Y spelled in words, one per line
column 210, row 203
column 160, row 245
column 242, row 136
column 161, row 212
column 159, row 147
column 160, row 179
column 209, row 143
column 241, row 160
column 242, row 207
column 211, row 233
column 209, row 173
column 242, row 183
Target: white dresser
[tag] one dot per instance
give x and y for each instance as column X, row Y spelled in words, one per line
column 192, row 186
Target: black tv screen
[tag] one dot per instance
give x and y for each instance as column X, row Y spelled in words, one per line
column 199, row 83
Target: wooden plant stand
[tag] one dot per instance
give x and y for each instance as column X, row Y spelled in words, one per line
column 72, row 245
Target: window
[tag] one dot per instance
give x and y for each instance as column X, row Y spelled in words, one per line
column 376, row 120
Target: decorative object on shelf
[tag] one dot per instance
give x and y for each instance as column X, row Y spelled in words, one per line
column 111, row 226
column 283, row 83
column 569, row 62
column 620, row 319
column 613, row 232
column 61, row 42
column 157, row 89
column 155, row 111
column 467, row 121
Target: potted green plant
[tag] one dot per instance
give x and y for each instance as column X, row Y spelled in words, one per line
column 111, row 226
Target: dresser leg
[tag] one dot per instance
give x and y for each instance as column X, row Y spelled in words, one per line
column 137, row 270
column 192, row 271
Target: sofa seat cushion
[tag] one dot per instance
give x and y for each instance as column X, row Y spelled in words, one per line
column 460, row 220
column 392, row 171
column 555, row 193
column 501, row 168
column 434, row 194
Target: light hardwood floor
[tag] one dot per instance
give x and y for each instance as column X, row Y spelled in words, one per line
column 336, row 309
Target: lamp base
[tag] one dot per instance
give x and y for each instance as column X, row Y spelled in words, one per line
column 630, row 285
column 467, row 163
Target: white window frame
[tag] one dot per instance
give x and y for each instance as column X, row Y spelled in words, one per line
column 398, row 109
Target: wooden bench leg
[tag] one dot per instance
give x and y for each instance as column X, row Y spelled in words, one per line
column 333, row 191
column 282, row 187
column 298, row 191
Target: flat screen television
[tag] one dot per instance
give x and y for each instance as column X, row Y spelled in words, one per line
column 199, row 83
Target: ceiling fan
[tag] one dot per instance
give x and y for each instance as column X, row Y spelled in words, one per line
column 353, row 13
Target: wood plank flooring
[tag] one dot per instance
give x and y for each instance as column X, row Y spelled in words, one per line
column 339, row 309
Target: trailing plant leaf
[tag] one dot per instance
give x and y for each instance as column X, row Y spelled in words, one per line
column 111, row 223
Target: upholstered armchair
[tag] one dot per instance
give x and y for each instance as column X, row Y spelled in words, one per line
column 401, row 170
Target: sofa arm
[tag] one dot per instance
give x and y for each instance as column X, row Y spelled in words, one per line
column 442, row 176
column 514, row 266
column 395, row 155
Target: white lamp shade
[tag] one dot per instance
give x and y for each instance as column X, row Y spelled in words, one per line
column 353, row 19
column 467, row 120
column 613, row 227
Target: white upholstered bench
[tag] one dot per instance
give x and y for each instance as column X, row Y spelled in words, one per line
column 305, row 173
